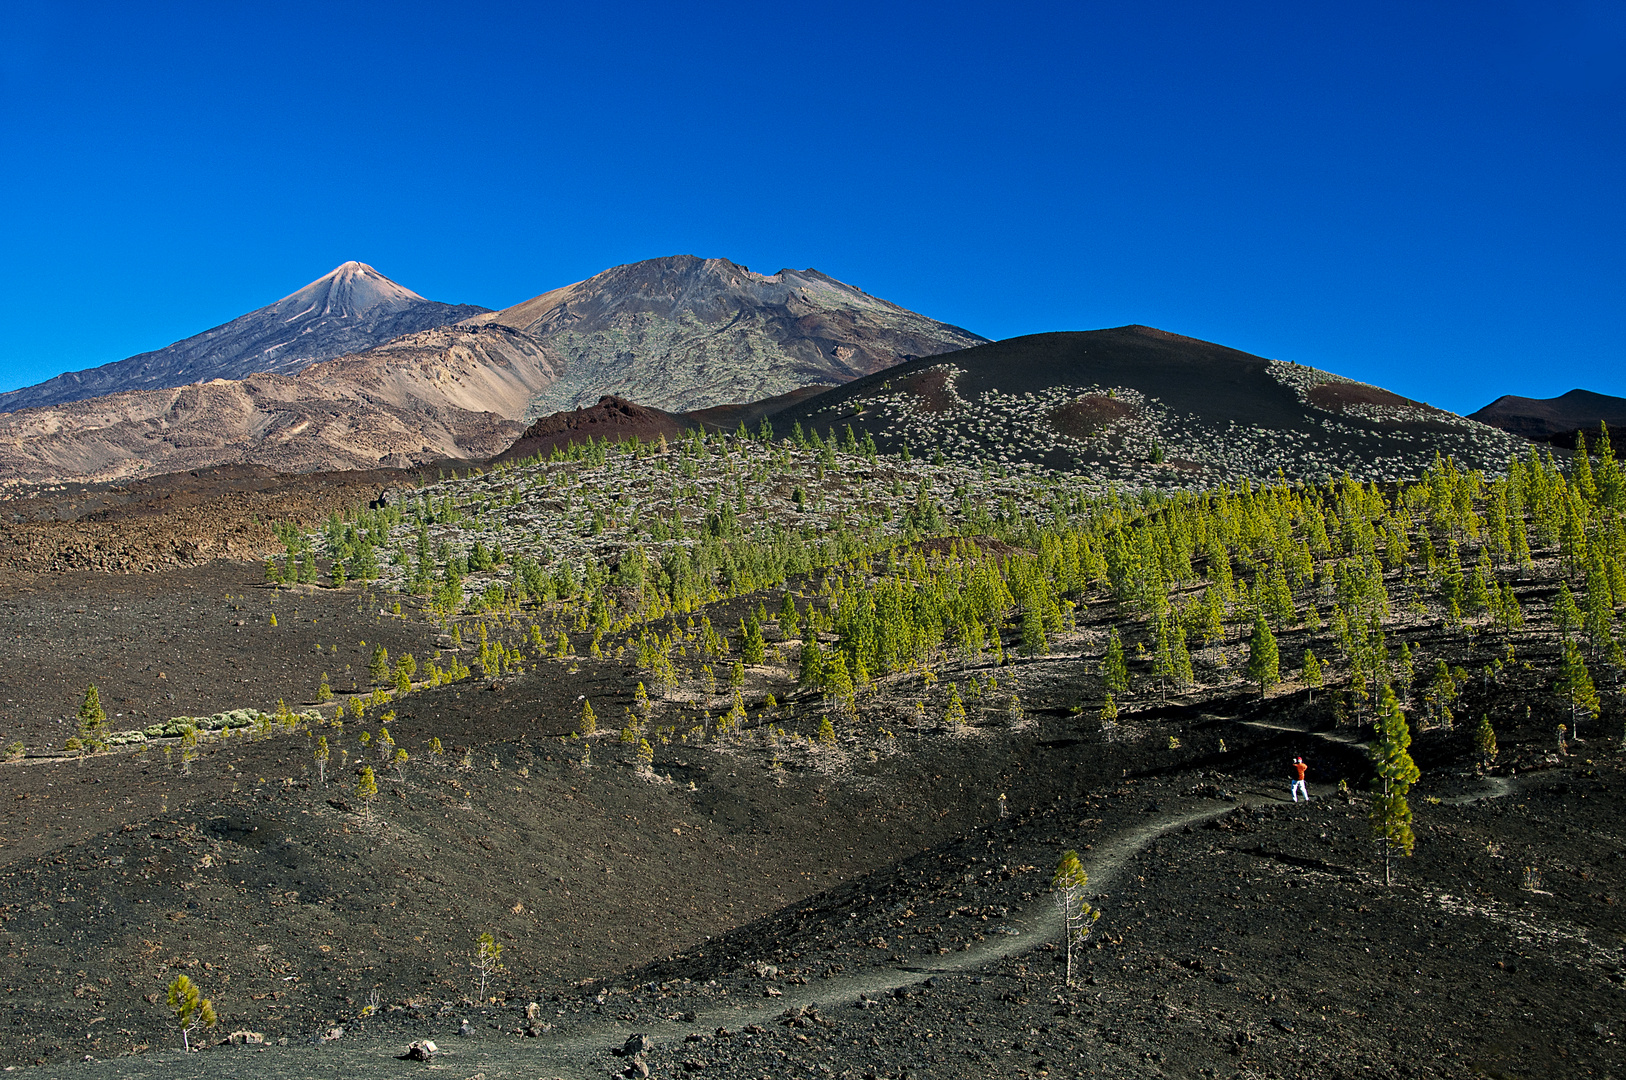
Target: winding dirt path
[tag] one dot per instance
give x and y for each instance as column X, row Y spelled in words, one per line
column 583, row 1051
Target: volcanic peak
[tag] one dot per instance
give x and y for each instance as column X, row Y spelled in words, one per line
column 347, row 310
column 350, row 289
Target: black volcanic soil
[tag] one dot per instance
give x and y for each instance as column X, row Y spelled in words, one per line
column 1241, row 936
column 1089, row 414
column 1211, row 385
column 1337, row 397
column 184, row 642
column 1187, row 374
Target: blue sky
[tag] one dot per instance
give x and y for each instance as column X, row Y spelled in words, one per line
column 1426, row 196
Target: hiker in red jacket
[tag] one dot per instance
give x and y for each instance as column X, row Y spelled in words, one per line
column 1298, row 783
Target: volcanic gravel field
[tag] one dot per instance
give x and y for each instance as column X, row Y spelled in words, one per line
column 848, row 915
column 767, row 901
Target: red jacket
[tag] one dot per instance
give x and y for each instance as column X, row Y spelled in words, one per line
column 1299, row 767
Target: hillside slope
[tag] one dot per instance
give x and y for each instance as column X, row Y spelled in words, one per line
column 451, row 392
column 1144, row 406
column 351, row 308
column 683, row 333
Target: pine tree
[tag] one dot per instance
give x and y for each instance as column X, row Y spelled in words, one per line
column 1485, row 741
column 589, row 719
column 322, row 754
column 954, row 713
column 1033, row 637
column 1396, row 773
column 1114, row 669
column 1183, row 674
column 1069, row 883
column 93, row 725
column 379, row 669
column 1575, row 687
column 1163, row 658
column 192, row 1010
column 1611, row 491
column 367, row 789
column 752, row 648
column 1312, row 673
column 1109, row 712
column 812, row 660
column 1599, row 621
column 1566, row 615
column 827, row 732
column 790, row 620
column 487, row 961
column 1511, row 615
column 1264, row 660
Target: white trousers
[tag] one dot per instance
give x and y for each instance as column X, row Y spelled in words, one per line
column 1299, row 788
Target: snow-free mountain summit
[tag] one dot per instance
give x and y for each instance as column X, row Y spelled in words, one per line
column 351, row 308
column 675, row 333
column 683, row 332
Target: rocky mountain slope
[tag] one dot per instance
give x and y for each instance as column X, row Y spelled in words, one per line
column 674, row 334
column 442, row 393
column 352, row 308
column 1146, row 407
column 685, row 333
column 1555, row 420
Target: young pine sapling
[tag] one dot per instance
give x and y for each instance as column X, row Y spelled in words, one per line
column 1068, row 885
column 192, row 1010
column 367, row 789
column 487, row 961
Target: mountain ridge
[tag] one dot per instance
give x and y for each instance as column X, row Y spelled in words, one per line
column 683, row 332
column 668, row 333
column 1555, row 420
column 350, row 308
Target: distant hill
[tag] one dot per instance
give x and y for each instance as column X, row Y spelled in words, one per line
column 1143, row 406
column 1554, row 420
column 682, row 332
column 352, row 308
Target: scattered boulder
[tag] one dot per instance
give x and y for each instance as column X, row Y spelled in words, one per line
column 637, row 1067
column 805, row 1017
column 465, row 1028
column 244, row 1037
column 332, row 1034
column 636, row 1044
column 422, row 1050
